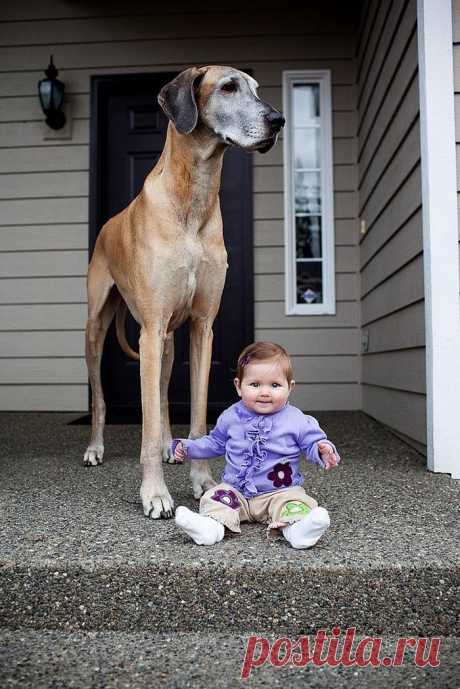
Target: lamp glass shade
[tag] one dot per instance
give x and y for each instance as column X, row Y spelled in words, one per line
column 45, row 88
column 51, row 92
column 57, row 94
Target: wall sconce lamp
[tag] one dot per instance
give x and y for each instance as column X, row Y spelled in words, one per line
column 51, row 93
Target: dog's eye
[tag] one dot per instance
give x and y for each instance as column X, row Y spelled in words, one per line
column 229, row 87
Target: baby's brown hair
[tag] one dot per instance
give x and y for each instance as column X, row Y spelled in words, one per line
column 261, row 351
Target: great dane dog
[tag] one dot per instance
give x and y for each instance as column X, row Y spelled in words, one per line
column 164, row 258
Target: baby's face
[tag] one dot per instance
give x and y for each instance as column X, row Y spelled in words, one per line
column 264, row 388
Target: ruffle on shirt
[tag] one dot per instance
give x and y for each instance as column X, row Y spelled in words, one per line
column 257, row 430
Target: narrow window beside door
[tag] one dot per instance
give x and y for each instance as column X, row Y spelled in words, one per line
column 308, row 193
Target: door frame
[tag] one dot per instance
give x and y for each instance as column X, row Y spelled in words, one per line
column 101, row 87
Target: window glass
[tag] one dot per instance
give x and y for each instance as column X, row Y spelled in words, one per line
column 308, row 237
column 309, row 282
column 305, row 103
column 307, row 193
column 306, row 148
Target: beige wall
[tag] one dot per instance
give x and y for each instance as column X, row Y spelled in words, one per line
column 44, row 182
column 391, row 257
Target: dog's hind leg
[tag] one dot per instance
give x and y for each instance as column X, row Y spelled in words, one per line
column 102, row 304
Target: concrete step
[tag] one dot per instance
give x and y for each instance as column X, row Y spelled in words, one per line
column 236, row 596
column 120, row 660
column 77, row 553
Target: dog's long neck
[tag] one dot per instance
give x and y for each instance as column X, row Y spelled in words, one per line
column 192, row 168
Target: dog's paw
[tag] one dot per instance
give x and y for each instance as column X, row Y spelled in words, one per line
column 93, row 456
column 201, row 485
column 168, row 457
column 156, row 504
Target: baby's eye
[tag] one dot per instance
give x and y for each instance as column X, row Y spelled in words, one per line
column 254, row 385
column 276, row 385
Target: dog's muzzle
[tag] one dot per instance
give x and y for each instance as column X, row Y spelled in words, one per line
column 276, row 122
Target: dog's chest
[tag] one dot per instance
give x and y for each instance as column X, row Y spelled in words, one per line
column 187, row 262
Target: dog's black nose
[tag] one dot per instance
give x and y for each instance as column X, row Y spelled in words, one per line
column 276, row 120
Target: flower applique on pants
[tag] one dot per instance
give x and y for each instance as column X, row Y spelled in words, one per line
column 227, row 505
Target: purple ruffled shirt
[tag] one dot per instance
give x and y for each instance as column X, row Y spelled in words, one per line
column 262, row 451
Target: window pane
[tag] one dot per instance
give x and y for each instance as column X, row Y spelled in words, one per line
column 306, row 148
column 307, row 192
column 308, row 237
column 306, row 103
column 310, row 282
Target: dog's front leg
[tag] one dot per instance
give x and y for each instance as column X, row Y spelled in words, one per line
column 166, row 369
column 200, row 362
column 156, row 500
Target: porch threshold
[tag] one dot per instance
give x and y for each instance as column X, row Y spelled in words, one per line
column 78, row 554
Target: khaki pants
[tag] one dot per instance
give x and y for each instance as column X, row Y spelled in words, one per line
column 280, row 507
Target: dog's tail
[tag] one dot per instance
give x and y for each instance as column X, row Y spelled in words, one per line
column 120, row 322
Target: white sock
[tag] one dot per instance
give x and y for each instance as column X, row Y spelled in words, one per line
column 307, row 531
column 203, row 530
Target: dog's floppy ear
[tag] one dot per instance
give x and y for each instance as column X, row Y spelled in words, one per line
column 177, row 99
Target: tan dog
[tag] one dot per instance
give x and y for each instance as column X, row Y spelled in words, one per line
column 164, row 257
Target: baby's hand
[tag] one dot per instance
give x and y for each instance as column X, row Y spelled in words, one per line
column 180, row 453
column 327, row 455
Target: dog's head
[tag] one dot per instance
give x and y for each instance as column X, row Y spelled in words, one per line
column 224, row 100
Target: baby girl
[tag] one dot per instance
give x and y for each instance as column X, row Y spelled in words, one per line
column 262, row 437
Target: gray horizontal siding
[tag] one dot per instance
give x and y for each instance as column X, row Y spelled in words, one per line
column 269, row 314
column 50, row 158
column 270, row 287
column 391, row 250
column 48, row 317
column 270, row 178
column 398, row 370
column 334, row 396
column 270, row 205
column 400, row 249
column 44, row 184
column 30, row 344
column 38, row 371
column 403, row 287
column 330, row 369
column 24, row 83
column 43, row 290
column 399, row 330
column 65, row 397
column 396, row 213
column 44, row 181
column 44, row 237
column 206, row 50
column 315, row 341
column 398, row 409
column 270, row 260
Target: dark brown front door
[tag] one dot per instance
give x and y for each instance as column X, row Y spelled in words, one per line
column 127, row 136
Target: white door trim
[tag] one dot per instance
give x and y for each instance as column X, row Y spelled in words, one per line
column 440, row 234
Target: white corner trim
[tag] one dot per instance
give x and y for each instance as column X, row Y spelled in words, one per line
column 440, row 234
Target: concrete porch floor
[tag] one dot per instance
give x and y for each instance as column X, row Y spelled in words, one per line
column 78, row 558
